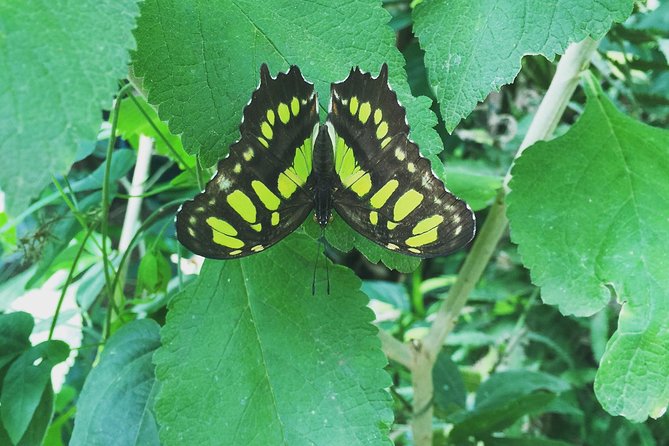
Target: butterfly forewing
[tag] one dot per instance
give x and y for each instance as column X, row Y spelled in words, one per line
column 260, row 193
column 387, row 190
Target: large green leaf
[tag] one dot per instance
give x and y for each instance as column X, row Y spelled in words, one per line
column 251, row 356
column 475, row 47
column 201, row 64
column 59, row 66
column 589, row 211
column 120, row 391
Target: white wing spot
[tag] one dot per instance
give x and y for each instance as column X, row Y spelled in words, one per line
column 224, row 183
column 399, row 154
column 458, row 230
column 457, row 219
column 411, row 167
column 392, row 246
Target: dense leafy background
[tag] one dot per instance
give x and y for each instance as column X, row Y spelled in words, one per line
column 243, row 350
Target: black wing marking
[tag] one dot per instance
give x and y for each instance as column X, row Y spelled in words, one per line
column 260, row 193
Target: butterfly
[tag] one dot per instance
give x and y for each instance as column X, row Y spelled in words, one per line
column 360, row 163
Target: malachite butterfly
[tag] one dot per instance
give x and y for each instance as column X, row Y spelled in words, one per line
column 360, row 162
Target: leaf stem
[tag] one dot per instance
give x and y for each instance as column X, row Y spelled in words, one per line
column 105, row 199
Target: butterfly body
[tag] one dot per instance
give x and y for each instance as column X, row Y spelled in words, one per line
column 359, row 163
column 324, row 175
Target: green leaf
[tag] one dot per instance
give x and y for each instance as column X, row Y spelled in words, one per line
column 505, row 386
column 449, row 388
column 15, row 329
column 473, row 48
column 394, row 294
column 470, row 181
column 59, row 65
column 136, row 118
column 256, row 359
column 24, row 385
column 154, row 273
column 202, row 64
column 504, row 398
column 36, row 431
column 341, row 236
column 122, row 161
column 58, row 237
column 526, row 441
column 207, row 119
column 589, row 212
column 116, row 403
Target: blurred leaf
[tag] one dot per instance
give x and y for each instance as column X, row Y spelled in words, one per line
column 504, row 398
column 449, row 388
column 471, row 182
column 15, row 329
column 122, row 161
column 154, row 273
column 119, row 392
column 25, row 383
column 505, row 386
column 391, row 293
column 132, row 123
column 49, row 102
column 589, row 212
column 473, row 48
column 247, row 344
column 36, row 430
column 527, row 441
column 59, row 235
column 656, row 20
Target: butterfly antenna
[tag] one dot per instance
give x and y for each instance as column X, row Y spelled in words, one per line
column 313, row 280
column 327, row 269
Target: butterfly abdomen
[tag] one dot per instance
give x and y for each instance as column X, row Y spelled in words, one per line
column 324, row 175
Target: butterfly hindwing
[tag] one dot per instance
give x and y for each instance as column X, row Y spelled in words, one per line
column 387, row 190
column 260, row 192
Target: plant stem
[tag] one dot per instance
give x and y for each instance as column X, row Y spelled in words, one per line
column 424, row 354
column 105, row 199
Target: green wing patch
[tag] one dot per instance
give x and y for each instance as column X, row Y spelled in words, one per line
column 388, row 191
column 260, row 193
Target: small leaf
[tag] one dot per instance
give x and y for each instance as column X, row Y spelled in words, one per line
column 391, row 293
column 24, row 385
column 15, row 329
column 449, row 388
column 249, row 355
column 116, row 403
column 589, row 211
column 132, row 123
column 154, row 273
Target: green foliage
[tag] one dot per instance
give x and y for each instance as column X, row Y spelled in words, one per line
column 58, row 68
column 468, row 53
column 26, row 396
column 302, row 367
column 601, row 231
column 120, row 391
column 242, row 352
